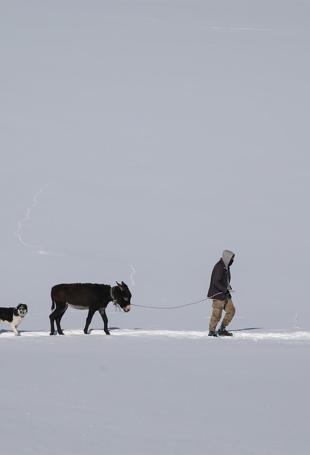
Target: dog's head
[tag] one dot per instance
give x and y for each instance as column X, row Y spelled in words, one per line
column 22, row 310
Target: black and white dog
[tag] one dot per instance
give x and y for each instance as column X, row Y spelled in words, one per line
column 13, row 316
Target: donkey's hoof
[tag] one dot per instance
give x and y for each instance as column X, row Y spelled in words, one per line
column 107, row 332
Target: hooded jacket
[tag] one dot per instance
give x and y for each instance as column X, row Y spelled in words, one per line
column 220, row 278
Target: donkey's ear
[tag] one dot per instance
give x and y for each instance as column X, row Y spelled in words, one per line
column 118, row 284
column 124, row 284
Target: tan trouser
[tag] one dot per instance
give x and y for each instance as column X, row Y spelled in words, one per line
column 217, row 309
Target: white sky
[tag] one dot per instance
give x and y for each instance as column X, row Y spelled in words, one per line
column 160, row 133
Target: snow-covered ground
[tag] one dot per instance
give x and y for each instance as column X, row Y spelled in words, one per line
column 155, row 393
column 244, row 334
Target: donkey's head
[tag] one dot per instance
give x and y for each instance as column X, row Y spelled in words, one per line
column 121, row 295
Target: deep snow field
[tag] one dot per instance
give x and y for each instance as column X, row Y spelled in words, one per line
column 160, row 393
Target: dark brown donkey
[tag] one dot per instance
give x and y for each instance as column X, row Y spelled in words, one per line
column 87, row 296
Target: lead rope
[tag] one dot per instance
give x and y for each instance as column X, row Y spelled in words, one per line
column 169, row 307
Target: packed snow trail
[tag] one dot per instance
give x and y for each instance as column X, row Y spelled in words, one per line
column 252, row 335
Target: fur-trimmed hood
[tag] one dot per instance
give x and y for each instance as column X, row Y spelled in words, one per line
column 227, row 257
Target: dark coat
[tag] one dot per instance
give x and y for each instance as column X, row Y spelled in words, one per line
column 220, row 279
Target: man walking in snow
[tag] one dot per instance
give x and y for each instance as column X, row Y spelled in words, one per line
column 219, row 292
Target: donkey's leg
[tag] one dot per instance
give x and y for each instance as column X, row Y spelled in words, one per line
column 90, row 315
column 105, row 320
column 52, row 320
column 58, row 319
column 60, row 308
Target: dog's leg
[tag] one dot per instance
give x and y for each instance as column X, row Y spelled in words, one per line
column 13, row 327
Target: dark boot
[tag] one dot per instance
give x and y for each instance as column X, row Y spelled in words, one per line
column 222, row 332
column 212, row 333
